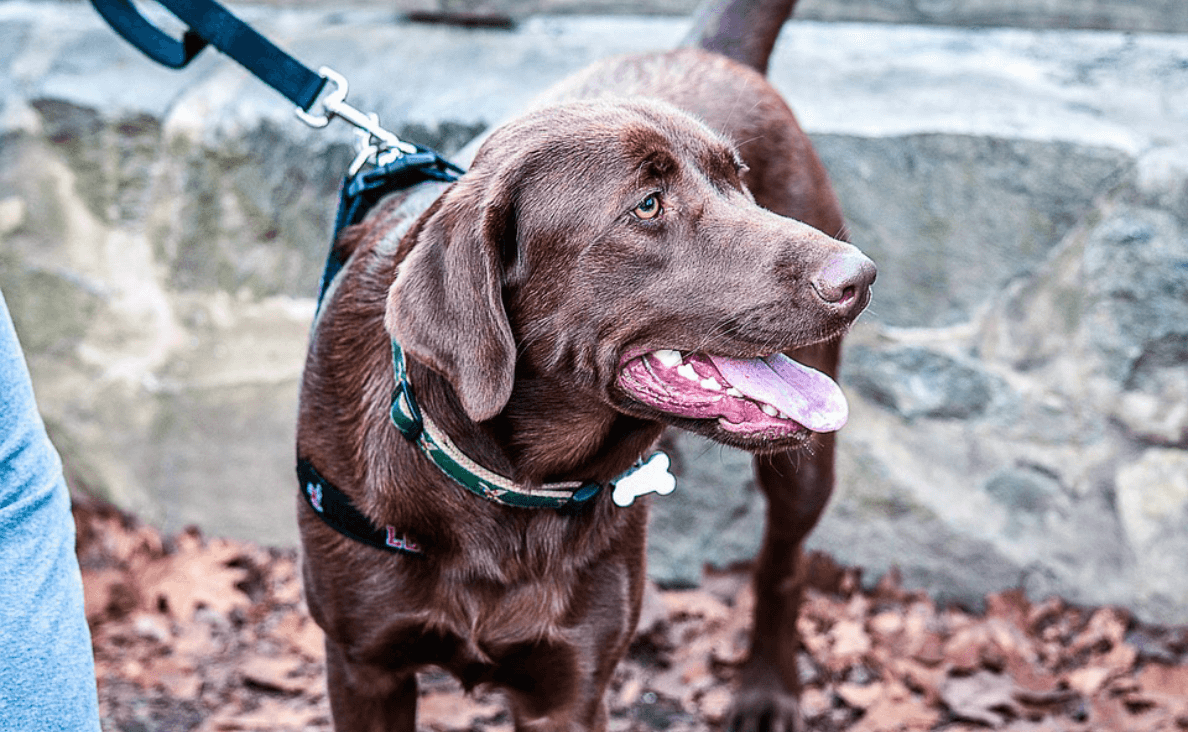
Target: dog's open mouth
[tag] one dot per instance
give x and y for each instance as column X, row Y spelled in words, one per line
column 767, row 398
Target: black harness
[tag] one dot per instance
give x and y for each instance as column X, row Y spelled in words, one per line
column 358, row 195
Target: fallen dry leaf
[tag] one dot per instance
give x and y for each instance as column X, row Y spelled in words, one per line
column 1011, row 606
column 886, row 625
column 685, row 604
column 850, row 642
column 446, row 712
column 1164, row 680
column 1106, row 628
column 815, row 702
column 274, row 674
column 924, row 680
column 1087, row 681
column 212, row 636
column 984, row 697
column 196, row 576
column 898, row 709
column 302, row 635
column 271, row 715
column 108, row 594
column 860, row 696
column 715, row 703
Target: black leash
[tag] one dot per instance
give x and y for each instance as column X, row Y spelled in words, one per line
column 385, row 164
column 209, row 23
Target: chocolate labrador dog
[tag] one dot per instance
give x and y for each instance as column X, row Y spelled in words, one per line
column 641, row 250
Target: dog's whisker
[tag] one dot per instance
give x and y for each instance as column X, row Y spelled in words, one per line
column 751, row 139
column 742, row 88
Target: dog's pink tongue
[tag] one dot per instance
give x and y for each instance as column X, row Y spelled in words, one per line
column 806, row 395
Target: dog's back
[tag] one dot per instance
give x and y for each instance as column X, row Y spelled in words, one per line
column 718, row 76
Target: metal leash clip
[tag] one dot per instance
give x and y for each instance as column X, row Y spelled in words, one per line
column 375, row 144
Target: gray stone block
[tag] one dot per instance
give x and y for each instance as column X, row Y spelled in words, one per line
column 715, row 518
column 915, row 382
column 953, row 219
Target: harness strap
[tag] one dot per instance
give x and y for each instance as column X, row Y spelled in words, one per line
column 335, row 508
column 358, row 195
column 361, row 191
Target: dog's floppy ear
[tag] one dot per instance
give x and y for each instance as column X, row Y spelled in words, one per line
column 446, row 306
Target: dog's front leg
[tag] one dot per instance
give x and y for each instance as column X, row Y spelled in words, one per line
column 589, row 716
column 561, row 685
column 366, row 698
column 797, row 485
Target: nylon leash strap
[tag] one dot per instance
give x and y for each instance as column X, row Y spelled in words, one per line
column 210, row 23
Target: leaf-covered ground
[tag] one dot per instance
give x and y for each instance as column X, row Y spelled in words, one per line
column 208, row 634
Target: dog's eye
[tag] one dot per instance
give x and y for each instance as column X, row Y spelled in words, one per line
column 649, row 208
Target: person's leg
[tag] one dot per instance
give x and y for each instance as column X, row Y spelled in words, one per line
column 47, row 670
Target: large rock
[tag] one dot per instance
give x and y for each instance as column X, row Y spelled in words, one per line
column 1136, row 15
column 969, row 214
column 1153, row 506
column 1026, row 341
column 1019, row 402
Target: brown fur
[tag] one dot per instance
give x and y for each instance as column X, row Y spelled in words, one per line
column 516, row 294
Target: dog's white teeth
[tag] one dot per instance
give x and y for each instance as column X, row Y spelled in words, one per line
column 734, row 393
column 769, row 410
column 711, row 384
column 668, row 358
column 686, row 370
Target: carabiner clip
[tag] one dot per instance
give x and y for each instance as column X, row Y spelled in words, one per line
column 374, row 139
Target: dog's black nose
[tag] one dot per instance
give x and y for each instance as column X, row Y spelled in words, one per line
column 845, row 279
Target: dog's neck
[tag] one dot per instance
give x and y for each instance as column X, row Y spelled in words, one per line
column 547, row 433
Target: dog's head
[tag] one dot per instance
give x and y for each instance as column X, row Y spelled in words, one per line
column 614, row 244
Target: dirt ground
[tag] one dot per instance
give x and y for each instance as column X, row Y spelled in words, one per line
column 192, row 633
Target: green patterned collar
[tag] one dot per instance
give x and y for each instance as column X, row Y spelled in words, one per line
column 646, row 476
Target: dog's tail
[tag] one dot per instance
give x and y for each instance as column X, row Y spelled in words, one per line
column 744, row 30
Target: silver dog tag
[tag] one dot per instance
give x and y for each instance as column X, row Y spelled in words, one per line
column 650, row 477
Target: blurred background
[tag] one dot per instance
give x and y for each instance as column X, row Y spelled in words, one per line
column 1017, row 169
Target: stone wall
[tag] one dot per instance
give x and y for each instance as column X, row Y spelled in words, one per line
column 1161, row 16
column 1018, row 391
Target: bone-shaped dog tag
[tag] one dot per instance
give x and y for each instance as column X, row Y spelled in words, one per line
column 651, row 477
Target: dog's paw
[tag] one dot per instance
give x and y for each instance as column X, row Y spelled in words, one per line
column 764, row 709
